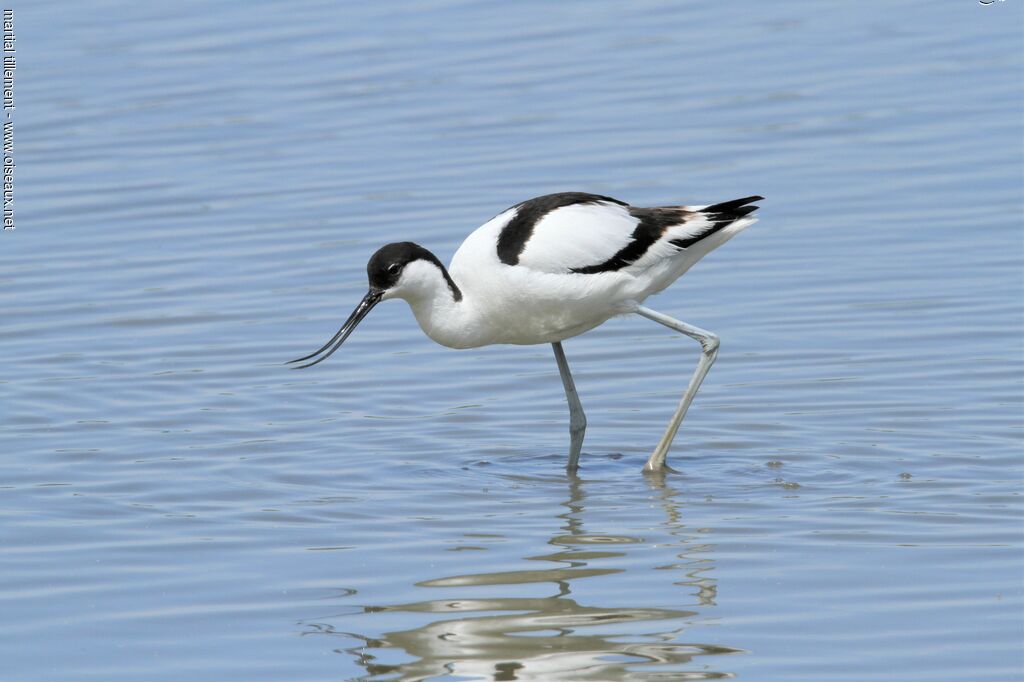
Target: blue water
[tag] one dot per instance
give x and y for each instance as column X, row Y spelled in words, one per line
column 198, row 188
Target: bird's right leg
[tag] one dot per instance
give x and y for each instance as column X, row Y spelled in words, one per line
column 709, row 351
column 577, row 420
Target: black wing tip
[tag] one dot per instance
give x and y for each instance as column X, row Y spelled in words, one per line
column 742, row 211
column 734, row 206
column 722, row 216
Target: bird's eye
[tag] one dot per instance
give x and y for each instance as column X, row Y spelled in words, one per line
column 394, row 268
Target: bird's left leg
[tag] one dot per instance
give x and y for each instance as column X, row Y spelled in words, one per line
column 709, row 350
column 577, row 420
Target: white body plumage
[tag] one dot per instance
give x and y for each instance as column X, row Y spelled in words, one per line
column 540, row 299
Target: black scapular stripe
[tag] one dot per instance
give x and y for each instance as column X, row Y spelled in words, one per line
column 653, row 223
column 514, row 236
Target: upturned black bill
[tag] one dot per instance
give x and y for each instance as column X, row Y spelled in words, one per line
column 371, row 299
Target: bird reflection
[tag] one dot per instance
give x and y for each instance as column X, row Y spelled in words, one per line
column 553, row 637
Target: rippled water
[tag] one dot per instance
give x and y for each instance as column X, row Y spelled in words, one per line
column 198, row 189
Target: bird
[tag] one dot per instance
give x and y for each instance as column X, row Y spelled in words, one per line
column 551, row 268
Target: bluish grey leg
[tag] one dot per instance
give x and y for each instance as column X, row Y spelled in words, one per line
column 577, row 420
column 709, row 350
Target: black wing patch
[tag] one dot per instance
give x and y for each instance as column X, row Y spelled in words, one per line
column 513, row 237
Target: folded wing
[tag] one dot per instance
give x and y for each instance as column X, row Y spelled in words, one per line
column 589, row 233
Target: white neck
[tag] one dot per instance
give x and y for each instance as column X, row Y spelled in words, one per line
column 442, row 309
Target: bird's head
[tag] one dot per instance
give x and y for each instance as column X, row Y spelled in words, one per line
column 403, row 270
column 400, row 270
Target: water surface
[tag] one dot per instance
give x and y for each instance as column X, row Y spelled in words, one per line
column 198, row 190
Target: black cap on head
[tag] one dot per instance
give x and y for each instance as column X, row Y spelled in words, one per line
column 385, row 266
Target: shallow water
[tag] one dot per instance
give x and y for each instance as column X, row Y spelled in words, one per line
column 198, row 189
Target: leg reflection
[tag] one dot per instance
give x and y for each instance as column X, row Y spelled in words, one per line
column 557, row 636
